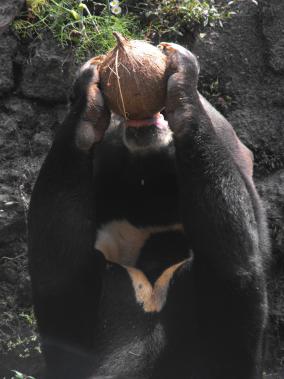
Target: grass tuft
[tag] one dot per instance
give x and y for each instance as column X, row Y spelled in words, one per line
column 88, row 26
column 72, row 23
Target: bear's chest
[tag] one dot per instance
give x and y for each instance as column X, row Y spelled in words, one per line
column 121, row 242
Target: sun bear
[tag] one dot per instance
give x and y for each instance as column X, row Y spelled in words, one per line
column 148, row 245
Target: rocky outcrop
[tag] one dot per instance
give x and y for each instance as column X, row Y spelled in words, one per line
column 271, row 189
column 8, row 45
column 9, row 9
column 272, row 14
column 240, row 56
column 48, row 72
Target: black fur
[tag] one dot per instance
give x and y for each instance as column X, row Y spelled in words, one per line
column 212, row 324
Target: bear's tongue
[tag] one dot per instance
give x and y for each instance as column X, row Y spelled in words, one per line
column 157, row 120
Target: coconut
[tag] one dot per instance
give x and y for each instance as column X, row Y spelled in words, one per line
column 133, row 79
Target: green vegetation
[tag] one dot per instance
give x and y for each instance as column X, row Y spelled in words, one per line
column 23, row 345
column 172, row 19
column 88, row 25
column 73, row 23
column 19, row 337
column 19, row 375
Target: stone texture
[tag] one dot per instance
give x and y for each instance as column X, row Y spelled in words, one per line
column 9, row 9
column 236, row 57
column 42, row 141
column 271, row 190
column 30, row 116
column 262, row 130
column 22, row 111
column 273, row 31
column 8, row 46
column 48, row 72
column 234, row 53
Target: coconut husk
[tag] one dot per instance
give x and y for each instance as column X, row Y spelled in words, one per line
column 132, row 77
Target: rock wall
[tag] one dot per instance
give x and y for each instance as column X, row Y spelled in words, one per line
column 242, row 73
column 245, row 58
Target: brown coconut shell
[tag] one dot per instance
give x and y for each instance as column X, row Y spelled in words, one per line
column 133, row 79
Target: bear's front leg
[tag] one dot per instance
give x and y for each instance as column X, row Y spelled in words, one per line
column 65, row 270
